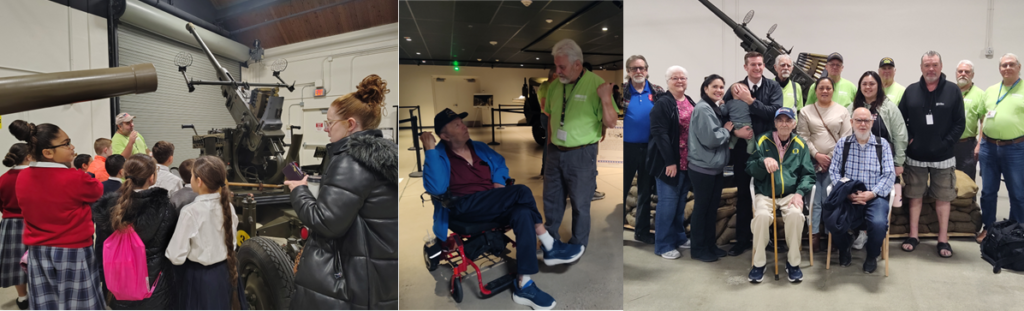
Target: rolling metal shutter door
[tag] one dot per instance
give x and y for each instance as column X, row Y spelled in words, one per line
column 161, row 113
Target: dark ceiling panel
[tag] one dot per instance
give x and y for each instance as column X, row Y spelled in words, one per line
column 286, row 22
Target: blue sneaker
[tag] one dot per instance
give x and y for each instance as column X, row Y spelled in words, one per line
column 795, row 275
column 562, row 253
column 756, row 274
column 532, row 296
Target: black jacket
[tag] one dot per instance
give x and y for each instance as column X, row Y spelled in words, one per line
column 153, row 218
column 110, row 186
column 933, row 143
column 350, row 260
column 838, row 212
column 663, row 145
column 767, row 100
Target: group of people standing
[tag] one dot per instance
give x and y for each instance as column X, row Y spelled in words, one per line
column 187, row 224
column 874, row 133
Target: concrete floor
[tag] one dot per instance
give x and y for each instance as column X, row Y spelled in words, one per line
column 917, row 281
column 595, row 282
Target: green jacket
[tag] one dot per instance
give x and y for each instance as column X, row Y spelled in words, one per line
column 797, row 171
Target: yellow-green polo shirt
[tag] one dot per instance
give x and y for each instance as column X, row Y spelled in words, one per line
column 584, row 119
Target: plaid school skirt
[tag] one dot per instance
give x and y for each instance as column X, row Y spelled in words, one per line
column 11, row 250
column 63, row 279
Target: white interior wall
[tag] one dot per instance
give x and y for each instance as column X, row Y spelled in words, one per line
column 504, row 83
column 340, row 62
column 44, row 37
column 862, row 31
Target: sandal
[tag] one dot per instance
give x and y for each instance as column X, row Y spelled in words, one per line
column 913, row 242
column 944, row 246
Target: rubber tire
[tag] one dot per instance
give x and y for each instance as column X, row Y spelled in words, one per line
column 267, row 258
column 431, row 266
column 456, row 289
column 539, row 135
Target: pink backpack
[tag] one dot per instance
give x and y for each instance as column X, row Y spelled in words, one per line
column 124, row 266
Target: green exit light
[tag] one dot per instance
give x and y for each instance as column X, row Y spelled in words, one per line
column 456, row 64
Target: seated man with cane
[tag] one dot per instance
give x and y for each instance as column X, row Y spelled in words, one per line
column 475, row 175
column 782, row 185
column 862, row 177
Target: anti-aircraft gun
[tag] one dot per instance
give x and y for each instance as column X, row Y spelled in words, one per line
column 807, row 66
column 255, row 153
column 24, row 93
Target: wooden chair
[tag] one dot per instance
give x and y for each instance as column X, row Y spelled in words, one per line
column 885, row 243
column 778, row 213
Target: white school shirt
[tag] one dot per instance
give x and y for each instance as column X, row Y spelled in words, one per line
column 165, row 179
column 199, row 235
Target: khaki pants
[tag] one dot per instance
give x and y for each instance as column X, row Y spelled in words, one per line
column 763, row 217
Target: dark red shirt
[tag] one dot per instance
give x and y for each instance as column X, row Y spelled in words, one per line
column 55, row 202
column 468, row 179
column 8, row 199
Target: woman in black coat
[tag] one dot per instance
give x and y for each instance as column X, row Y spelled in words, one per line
column 354, row 219
column 150, row 213
column 666, row 158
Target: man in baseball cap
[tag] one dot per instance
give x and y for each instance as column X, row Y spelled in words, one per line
column 127, row 141
column 844, row 90
column 887, row 71
column 475, row 176
column 780, row 158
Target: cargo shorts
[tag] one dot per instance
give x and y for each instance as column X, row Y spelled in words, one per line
column 939, row 183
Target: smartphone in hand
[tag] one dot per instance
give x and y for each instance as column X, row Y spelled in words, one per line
column 293, row 172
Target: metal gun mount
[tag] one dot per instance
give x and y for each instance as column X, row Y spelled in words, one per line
column 807, row 67
column 254, row 150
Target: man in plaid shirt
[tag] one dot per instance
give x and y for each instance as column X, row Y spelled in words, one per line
column 863, row 165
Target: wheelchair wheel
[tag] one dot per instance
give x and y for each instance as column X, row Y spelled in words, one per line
column 431, row 265
column 456, row 289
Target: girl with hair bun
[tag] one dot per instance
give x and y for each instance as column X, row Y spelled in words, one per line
column 55, row 202
column 204, row 242
column 356, row 211
column 12, row 225
column 148, row 211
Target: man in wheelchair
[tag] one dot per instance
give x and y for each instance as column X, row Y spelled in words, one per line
column 793, row 179
column 861, row 158
column 472, row 177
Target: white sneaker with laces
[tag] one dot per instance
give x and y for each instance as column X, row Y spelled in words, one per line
column 672, row 254
column 685, row 245
column 862, row 239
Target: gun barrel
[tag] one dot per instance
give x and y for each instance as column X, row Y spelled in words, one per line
column 222, row 74
column 23, row 93
column 721, row 15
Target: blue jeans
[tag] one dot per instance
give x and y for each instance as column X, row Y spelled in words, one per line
column 877, row 210
column 999, row 161
column 669, row 231
column 822, row 180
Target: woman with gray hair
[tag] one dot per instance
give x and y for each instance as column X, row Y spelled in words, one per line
column 666, row 160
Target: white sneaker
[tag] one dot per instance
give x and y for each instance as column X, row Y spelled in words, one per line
column 672, row 254
column 685, row 245
column 860, row 241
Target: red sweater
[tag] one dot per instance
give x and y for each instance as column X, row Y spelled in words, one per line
column 9, row 201
column 56, row 205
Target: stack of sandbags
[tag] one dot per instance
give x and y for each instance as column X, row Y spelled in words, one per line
column 964, row 216
column 726, row 215
column 631, row 202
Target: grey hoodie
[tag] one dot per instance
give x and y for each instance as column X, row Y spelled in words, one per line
column 708, row 144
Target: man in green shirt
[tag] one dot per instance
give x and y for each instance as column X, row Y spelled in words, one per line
column 844, row 90
column 792, row 92
column 127, row 141
column 1002, row 151
column 542, row 96
column 887, row 71
column 581, row 107
column 973, row 105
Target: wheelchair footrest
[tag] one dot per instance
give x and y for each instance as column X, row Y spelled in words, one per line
column 500, row 284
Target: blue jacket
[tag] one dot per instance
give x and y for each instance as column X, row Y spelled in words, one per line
column 437, row 171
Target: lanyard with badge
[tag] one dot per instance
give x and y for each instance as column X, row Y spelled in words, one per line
column 562, row 134
column 992, row 114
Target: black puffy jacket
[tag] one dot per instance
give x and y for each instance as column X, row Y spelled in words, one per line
column 153, row 217
column 350, row 260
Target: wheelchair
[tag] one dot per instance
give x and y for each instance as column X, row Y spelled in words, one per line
column 467, row 243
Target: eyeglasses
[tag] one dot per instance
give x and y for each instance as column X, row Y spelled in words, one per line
column 862, row 121
column 65, row 144
column 785, row 65
column 632, row 69
column 328, row 123
column 678, row 79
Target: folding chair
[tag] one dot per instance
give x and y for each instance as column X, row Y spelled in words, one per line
column 778, row 213
column 885, row 243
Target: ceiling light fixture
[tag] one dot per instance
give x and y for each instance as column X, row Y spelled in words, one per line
column 417, row 53
column 549, row 20
column 408, row 39
column 479, row 59
column 538, row 58
column 496, row 60
column 424, row 62
column 520, row 65
column 494, row 42
column 604, row 28
column 527, row 2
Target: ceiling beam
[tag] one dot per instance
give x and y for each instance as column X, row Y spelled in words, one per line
column 240, row 30
column 243, row 7
column 571, row 18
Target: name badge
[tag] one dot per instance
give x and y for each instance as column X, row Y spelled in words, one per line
column 990, row 114
column 939, row 104
column 928, row 119
column 562, row 135
column 581, row 97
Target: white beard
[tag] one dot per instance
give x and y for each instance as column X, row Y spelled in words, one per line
column 862, row 136
column 962, row 82
column 564, row 80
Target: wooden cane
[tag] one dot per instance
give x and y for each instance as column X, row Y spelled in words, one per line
column 775, row 225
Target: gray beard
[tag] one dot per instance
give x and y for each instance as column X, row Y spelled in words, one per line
column 862, row 136
column 564, row 80
column 962, row 82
